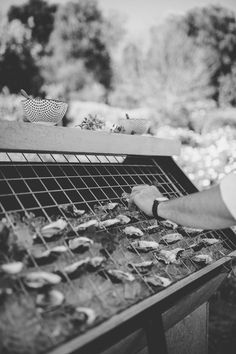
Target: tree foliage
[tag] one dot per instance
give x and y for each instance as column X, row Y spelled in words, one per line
column 17, row 64
column 37, row 15
column 79, row 35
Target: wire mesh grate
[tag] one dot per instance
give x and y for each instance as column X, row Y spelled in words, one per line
column 38, row 185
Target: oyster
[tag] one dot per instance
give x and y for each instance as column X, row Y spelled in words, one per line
column 210, row 241
column 117, row 275
column 123, row 219
column 133, row 231
column 144, row 246
column 169, row 224
column 88, row 315
column 73, row 268
column 50, row 299
column 111, row 206
column 171, row 238
column 53, row 228
column 203, row 243
column 202, row 259
column 36, row 280
column 191, row 230
column 95, row 262
column 72, row 210
column 86, row 225
column 80, row 243
column 167, row 256
column 142, row 267
column 12, row 268
column 109, row 222
column 59, row 249
column 156, row 281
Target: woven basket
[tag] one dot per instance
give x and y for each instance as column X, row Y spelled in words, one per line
column 44, row 110
column 133, row 125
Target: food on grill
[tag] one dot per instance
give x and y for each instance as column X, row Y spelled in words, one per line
column 53, row 228
column 204, row 242
column 80, row 243
column 117, row 275
column 36, row 280
column 202, row 259
column 87, row 315
column 143, row 246
column 210, row 241
column 157, row 281
column 87, row 224
column 111, row 206
column 123, row 219
column 169, row 224
column 169, row 256
column 76, row 267
column 12, row 268
column 109, row 222
column 50, row 299
column 71, row 210
column 171, row 238
column 95, row 262
column 142, row 267
column 191, row 230
column 133, row 231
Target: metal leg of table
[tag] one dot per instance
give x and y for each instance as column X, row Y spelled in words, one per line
column 156, row 339
column 190, row 335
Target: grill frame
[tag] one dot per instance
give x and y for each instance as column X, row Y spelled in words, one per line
column 19, row 137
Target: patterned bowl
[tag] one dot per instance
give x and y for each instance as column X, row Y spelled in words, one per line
column 133, row 125
column 44, row 111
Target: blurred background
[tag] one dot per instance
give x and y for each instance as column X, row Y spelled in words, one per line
column 172, row 63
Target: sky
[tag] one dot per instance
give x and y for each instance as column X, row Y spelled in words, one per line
column 140, row 15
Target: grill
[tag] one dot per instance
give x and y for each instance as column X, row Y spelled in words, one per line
column 43, row 169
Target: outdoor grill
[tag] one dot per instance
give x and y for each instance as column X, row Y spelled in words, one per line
column 45, row 168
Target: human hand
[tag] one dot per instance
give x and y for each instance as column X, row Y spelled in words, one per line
column 143, row 197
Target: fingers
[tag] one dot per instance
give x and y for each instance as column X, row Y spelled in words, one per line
column 139, row 187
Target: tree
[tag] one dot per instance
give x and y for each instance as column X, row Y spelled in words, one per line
column 213, row 28
column 17, row 65
column 37, row 15
column 79, row 35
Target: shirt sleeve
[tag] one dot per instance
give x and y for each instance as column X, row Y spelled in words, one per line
column 228, row 192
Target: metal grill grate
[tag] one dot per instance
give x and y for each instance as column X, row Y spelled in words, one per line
column 41, row 183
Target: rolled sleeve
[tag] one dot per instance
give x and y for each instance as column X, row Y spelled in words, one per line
column 228, row 193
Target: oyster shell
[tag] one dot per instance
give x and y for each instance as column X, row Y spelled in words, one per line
column 133, row 231
column 72, row 210
column 117, row 275
column 210, row 241
column 12, row 268
column 109, row 222
column 53, row 228
column 171, row 238
column 202, row 259
column 169, row 224
column 112, row 206
column 157, row 281
column 191, row 230
column 59, row 249
column 50, row 299
column 144, row 246
column 73, row 268
column 86, row 225
column 123, row 219
column 142, row 267
column 88, row 315
column 167, row 256
column 80, row 243
column 95, row 262
column 36, row 280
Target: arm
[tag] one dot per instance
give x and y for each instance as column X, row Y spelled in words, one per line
column 204, row 209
